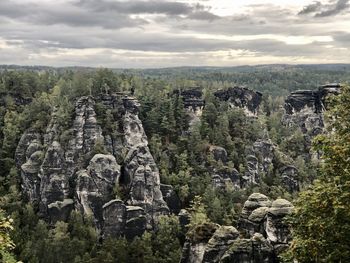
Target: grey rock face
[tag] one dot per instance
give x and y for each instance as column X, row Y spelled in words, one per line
column 258, row 161
column 262, row 160
column 76, row 175
column 54, row 186
column 29, row 157
column 192, row 98
column 141, row 173
column 95, row 185
column 254, row 250
column 219, row 243
column 289, row 176
column 305, row 108
column 261, row 235
column 196, row 244
column 277, row 231
column 114, row 217
column 241, row 97
column 255, row 200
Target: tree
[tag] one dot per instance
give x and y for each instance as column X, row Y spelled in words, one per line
column 321, row 221
column 6, row 243
column 166, row 244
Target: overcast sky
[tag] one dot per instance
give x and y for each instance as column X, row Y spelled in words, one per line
column 165, row 33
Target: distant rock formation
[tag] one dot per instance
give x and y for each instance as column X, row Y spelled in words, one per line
column 241, row 97
column 119, row 187
column 260, row 236
column 305, row 108
column 193, row 103
column 263, row 159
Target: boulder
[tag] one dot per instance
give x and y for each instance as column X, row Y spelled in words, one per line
column 254, row 201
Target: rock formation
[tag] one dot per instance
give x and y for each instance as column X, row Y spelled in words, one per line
column 260, row 236
column 241, row 97
column 264, row 159
column 108, row 174
column 305, row 108
column 193, row 103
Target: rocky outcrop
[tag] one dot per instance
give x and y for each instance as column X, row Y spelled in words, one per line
column 253, row 250
column 277, row 231
column 193, row 103
column 108, row 174
column 305, row 108
column 29, row 156
column 192, row 98
column 262, row 234
column 241, row 97
column 197, row 242
column 260, row 215
column 218, row 244
column 265, row 160
column 94, row 186
column 141, row 174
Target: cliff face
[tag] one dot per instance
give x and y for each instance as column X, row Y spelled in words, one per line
column 108, row 174
column 305, row 108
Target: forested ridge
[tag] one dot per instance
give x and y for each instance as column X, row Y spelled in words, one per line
column 189, row 155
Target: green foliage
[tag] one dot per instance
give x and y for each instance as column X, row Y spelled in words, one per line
column 321, row 221
column 6, row 243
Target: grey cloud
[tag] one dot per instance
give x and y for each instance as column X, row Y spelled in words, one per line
column 340, row 6
column 342, row 39
column 64, row 14
column 147, row 42
column 53, row 27
column 203, row 15
column 317, row 9
column 312, row 8
column 140, row 7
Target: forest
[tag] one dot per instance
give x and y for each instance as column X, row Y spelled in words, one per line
column 188, row 148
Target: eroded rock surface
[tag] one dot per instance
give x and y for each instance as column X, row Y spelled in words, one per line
column 241, row 97
column 261, row 235
column 108, row 174
column 305, row 108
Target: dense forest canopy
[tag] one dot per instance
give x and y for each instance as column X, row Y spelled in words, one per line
column 182, row 151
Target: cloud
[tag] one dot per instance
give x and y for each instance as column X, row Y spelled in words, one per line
column 64, row 13
column 311, row 8
column 167, row 33
column 137, row 7
column 317, row 9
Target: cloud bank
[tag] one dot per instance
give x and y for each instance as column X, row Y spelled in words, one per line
column 162, row 33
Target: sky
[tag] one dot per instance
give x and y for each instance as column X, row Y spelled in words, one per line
column 171, row 33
